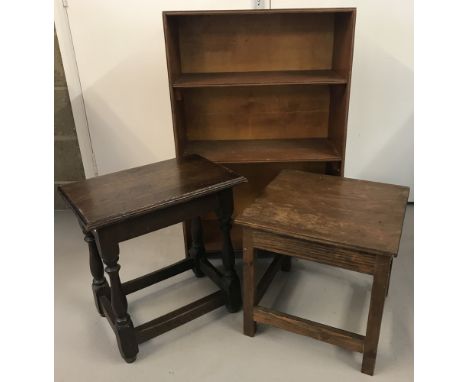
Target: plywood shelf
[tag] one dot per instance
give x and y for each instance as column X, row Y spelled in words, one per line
column 269, row 150
column 289, row 77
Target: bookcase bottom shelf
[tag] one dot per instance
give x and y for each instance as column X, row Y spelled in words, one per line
column 265, row 150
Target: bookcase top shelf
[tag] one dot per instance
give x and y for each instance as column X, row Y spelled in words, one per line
column 259, row 11
column 265, row 150
column 286, row 77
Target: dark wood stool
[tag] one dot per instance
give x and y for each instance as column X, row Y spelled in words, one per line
column 123, row 205
column 347, row 223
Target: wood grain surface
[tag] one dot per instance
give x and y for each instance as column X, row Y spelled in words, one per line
column 265, row 150
column 259, row 112
column 355, row 214
column 258, row 75
column 286, row 77
column 298, row 325
column 109, row 198
column 256, row 42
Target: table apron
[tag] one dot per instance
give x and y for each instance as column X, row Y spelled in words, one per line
column 321, row 253
column 140, row 225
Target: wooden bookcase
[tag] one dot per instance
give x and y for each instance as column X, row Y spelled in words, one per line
column 260, row 91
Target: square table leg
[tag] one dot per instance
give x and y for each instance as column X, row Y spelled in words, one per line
column 389, row 276
column 250, row 288
column 286, row 265
column 378, row 294
column 121, row 321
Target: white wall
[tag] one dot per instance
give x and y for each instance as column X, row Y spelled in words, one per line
column 120, row 55
column 380, row 120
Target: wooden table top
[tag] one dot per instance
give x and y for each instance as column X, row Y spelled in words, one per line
column 349, row 213
column 109, row 198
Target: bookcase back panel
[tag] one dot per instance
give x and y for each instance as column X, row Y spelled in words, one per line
column 258, row 175
column 246, row 113
column 256, row 42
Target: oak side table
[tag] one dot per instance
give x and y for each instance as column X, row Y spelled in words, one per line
column 347, row 223
column 126, row 204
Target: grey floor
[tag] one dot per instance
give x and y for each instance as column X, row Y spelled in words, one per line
column 212, row 347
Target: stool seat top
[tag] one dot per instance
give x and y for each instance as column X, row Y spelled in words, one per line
column 348, row 213
column 113, row 197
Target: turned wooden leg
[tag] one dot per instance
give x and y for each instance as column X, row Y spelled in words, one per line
column 231, row 280
column 286, row 266
column 250, row 289
column 379, row 290
column 197, row 248
column 99, row 286
column 121, row 321
column 126, row 337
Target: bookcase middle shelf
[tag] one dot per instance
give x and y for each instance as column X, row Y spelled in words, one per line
column 265, row 78
column 265, row 150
